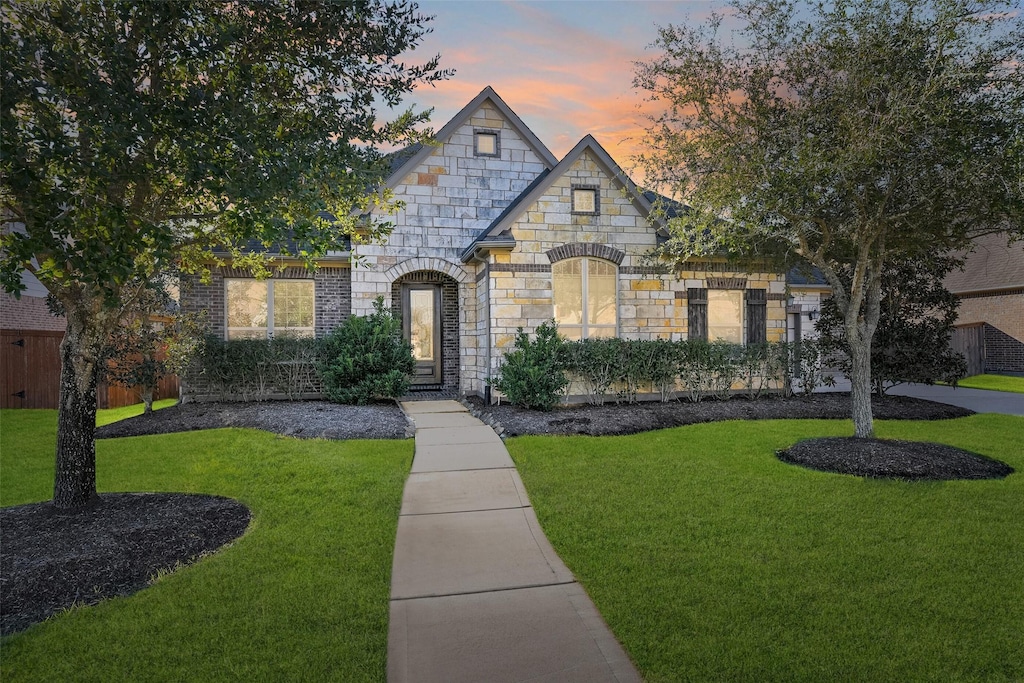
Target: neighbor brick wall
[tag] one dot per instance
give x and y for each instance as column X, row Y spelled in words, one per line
column 1003, row 353
column 1004, row 310
column 28, row 313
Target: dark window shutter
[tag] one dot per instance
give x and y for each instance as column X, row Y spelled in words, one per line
column 757, row 316
column 697, row 312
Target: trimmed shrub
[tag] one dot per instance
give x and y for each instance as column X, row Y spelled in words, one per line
column 532, row 375
column 596, row 364
column 366, row 358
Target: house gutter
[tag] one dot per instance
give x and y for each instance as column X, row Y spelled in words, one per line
column 477, row 250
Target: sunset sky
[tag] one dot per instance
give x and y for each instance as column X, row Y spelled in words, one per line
column 566, row 68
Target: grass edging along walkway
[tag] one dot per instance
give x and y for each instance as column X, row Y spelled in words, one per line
column 303, row 594
column 712, row 560
column 1009, row 383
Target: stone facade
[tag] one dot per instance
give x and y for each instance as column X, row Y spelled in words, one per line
column 650, row 305
column 489, row 222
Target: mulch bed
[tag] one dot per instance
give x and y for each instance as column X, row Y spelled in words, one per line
column 53, row 560
column 301, row 419
column 893, row 459
column 611, row 419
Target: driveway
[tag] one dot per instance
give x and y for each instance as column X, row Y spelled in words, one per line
column 978, row 400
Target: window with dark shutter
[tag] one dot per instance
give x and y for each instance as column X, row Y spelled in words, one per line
column 697, row 312
column 757, row 316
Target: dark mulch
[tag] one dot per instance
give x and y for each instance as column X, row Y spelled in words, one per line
column 893, row 459
column 622, row 419
column 53, row 559
column 302, row 419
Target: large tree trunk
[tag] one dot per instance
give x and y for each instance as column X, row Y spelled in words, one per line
column 860, row 387
column 75, row 479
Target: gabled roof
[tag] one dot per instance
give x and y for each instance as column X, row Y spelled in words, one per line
column 418, row 153
column 493, row 234
column 992, row 264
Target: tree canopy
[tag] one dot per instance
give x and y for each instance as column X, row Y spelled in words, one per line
column 844, row 134
column 136, row 135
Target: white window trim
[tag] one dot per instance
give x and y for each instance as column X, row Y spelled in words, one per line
column 270, row 308
column 585, row 287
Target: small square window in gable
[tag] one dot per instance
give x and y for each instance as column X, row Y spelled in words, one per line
column 486, row 143
column 586, row 201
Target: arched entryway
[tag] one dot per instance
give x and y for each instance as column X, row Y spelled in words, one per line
column 428, row 304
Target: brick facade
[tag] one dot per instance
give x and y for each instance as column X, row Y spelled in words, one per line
column 449, row 319
column 28, row 313
column 332, row 292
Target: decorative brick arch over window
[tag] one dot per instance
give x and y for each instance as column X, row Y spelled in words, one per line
column 578, row 249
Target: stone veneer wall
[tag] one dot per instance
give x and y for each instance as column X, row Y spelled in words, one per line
column 449, row 320
column 650, row 305
column 449, row 199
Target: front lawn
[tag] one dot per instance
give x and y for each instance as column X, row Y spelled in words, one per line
column 994, row 383
column 712, row 560
column 302, row 595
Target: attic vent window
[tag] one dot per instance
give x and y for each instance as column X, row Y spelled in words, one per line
column 486, row 143
column 585, row 201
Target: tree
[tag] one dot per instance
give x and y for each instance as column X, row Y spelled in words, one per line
column 136, row 136
column 912, row 340
column 847, row 135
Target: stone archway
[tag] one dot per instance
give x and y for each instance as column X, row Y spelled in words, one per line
column 447, row 288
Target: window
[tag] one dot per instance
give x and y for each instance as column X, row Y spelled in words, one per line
column 586, row 298
column 260, row 309
column 586, row 201
column 725, row 315
column 486, row 143
column 721, row 313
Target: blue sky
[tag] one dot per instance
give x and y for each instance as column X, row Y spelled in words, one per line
column 565, row 67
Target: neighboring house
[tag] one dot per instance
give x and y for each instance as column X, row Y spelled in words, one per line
column 498, row 234
column 30, row 337
column 990, row 326
column 807, row 289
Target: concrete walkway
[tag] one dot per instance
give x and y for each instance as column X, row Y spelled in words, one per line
column 477, row 592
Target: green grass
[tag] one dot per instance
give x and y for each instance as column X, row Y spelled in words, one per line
column 106, row 416
column 712, row 560
column 994, row 382
column 302, row 595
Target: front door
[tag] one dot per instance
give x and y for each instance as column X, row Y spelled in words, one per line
column 421, row 316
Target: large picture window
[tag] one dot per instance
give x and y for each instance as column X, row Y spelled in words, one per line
column 260, row 309
column 585, row 294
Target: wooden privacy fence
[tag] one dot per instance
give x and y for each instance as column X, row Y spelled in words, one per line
column 30, row 374
column 970, row 341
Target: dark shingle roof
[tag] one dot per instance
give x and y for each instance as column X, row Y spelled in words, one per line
column 805, row 275
column 397, row 158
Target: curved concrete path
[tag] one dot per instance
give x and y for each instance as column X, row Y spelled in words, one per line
column 477, row 592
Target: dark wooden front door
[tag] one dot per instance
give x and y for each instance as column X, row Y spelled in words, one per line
column 421, row 316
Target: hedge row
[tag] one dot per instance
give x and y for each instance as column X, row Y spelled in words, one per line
column 538, row 371
column 364, row 359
